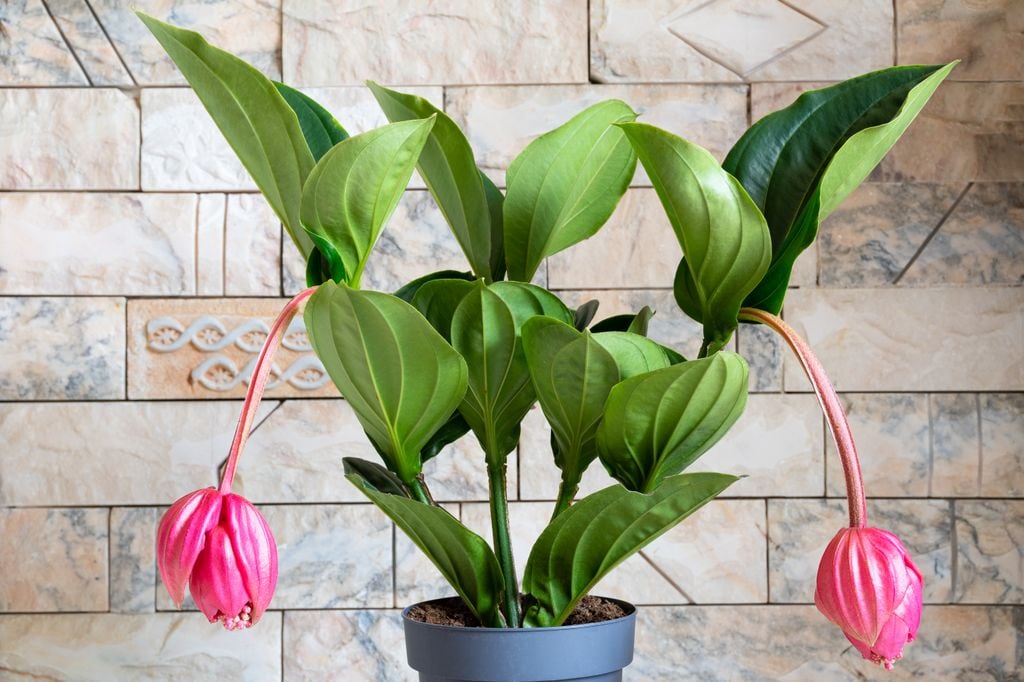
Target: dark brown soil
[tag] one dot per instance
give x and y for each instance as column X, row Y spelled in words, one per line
column 453, row 612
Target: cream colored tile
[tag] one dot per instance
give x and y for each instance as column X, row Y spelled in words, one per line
column 33, row 52
column 133, row 559
column 252, row 247
column 366, row 645
column 990, row 552
column 1002, row 436
column 210, row 222
column 956, row 444
column 87, row 38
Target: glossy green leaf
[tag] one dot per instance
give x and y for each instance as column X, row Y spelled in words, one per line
column 450, row 172
column 400, row 377
column 634, row 354
column 320, row 129
column 356, row 186
column 526, row 300
column 726, row 245
column 253, row 116
column 657, row 424
column 564, row 186
column 408, row 290
column 590, row 538
column 584, row 315
column 799, row 163
column 463, row 557
column 376, row 475
column 628, row 322
column 496, row 206
column 438, row 300
column 572, row 374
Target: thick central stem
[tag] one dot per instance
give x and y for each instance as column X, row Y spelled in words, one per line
column 830, row 405
column 258, row 383
column 502, row 540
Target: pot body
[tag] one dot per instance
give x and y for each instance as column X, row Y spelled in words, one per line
column 595, row 652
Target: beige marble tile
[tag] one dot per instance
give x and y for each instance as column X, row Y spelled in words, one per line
column 62, row 348
column 137, row 453
column 805, row 269
column 97, row 244
column 911, row 339
column 361, row 646
column 636, row 248
column 955, row 444
column 983, row 34
column 205, row 348
column 33, row 52
column 64, row 138
column 416, row 578
column 763, row 350
column 730, row 40
column 133, row 559
column 892, row 435
column 252, row 247
column 1002, row 436
column 86, row 36
column 989, row 552
column 211, row 218
column 799, row 531
column 250, row 29
column 164, row 646
column 501, row 121
column 53, row 560
column 493, row 37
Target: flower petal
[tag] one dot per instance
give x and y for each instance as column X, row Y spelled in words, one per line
column 255, row 549
column 181, row 536
column 216, row 582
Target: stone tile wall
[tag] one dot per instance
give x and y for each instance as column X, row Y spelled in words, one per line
column 139, row 272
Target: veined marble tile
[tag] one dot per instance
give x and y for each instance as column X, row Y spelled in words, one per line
column 68, row 138
column 982, row 241
column 62, row 348
column 361, row 646
column 211, row 219
column 133, row 559
column 956, row 445
column 872, row 236
column 416, row 578
column 95, row 52
column 206, row 348
column 980, row 33
column 709, row 643
column 892, row 434
column 500, row 42
column 250, row 29
column 990, row 552
column 1002, row 433
column 33, row 52
column 161, row 646
column 635, row 580
column 730, row 40
column 97, row 244
column 636, row 248
column 252, row 247
column 53, row 560
column 501, row 121
column 968, row 131
column 912, row 339
column 799, row 531
column 137, row 453
column 763, row 350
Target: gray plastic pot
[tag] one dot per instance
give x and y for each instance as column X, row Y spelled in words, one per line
column 595, row 652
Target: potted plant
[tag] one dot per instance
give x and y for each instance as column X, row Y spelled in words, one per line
column 454, row 352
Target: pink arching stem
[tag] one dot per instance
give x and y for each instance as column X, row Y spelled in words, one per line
column 257, row 384
column 833, row 409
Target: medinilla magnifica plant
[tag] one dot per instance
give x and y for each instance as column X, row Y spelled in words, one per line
column 458, row 352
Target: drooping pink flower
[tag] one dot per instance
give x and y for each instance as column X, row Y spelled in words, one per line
column 222, row 547
column 868, row 586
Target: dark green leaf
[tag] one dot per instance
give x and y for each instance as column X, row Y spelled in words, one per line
column 495, row 205
column 629, row 322
column 408, row 291
column 375, row 475
column 319, row 127
column 584, row 315
column 438, row 299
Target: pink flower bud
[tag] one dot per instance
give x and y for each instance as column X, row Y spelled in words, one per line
column 870, row 588
column 222, row 547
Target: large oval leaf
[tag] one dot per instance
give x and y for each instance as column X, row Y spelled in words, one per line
column 601, row 531
column 253, row 116
column 563, row 187
column 438, row 300
column 320, row 129
column 463, row 557
column 656, row 424
column 356, row 186
column 726, row 245
column 635, row 354
column 799, row 163
column 401, row 378
column 526, row 300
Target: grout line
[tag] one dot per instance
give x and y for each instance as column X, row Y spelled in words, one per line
column 127, row 355
column 667, row 578
column 767, row 555
column 931, row 235
column 981, row 451
column 111, row 42
column 67, row 43
column 931, row 444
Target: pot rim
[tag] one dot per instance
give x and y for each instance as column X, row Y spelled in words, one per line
column 630, row 609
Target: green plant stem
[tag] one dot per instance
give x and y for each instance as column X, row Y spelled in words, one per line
column 566, row 492
column 502, row 541
column 704, row 349
column 419, row 490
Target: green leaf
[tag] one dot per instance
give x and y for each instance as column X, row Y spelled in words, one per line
column 438, row 300
column 657, row 424
column 408, row 291
column 400, row 377
column 564, row 186
column 253, row 116
column 798, row 164
column 319, row 127
column 572, row 374
column 449, row 169
column 455, row 428
column 495, row 205
column 629, row 322
column 590, row 538
column 584, row 315
column 463, row 557
column 726, row 245
column 526, row 300
column 634, row 354
column 376, row 475
column 356, row 186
